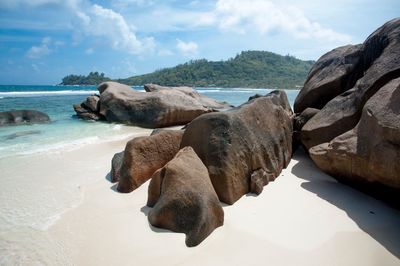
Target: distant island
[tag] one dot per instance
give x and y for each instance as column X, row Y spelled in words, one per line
column 94, row 78
column 252, row 69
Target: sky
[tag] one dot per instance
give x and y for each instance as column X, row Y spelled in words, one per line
column 41, row 41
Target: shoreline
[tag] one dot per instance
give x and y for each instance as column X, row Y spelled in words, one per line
column 304, row 217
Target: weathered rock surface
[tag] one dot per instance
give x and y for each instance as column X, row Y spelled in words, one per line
column 144, row 155
column 116, row 164
column 355, row 136
column 158, row 107
column 92, row 103
column 246, row 147
column 183, row 198
column 18, row 117
column 370, row 152
column 189, row 91
column 334, row 73
column 380, row 55
column 298, row 123
column 84, row 113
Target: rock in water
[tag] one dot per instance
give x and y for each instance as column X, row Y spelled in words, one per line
column 144, row 155
column 369, row 154
column 120, row 103
column 92, row 103
column 380, row 56
column 183, row 198
column 246, row 147
column 116, row 164
column 18, row 117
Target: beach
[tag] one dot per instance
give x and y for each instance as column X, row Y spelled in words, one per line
column 304, row 217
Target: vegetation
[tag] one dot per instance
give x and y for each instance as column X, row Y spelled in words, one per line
column 94, row 78
column 249, row 69
column 257, row 69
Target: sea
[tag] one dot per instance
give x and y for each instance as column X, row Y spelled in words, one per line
column 66, row 131
column 28, row 207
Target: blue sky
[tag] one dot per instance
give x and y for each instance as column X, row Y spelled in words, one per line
column 41, row 41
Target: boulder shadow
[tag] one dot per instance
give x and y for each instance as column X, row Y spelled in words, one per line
column 372, row 216
column 108, row 177
column 146, row 209
column 114, row 188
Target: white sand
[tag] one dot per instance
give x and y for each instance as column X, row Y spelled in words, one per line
column 303, row 218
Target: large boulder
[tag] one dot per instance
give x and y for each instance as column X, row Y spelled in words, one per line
column 189, row 91
column 183, row 198
column 18, row 117
column 144, row 155
column 355, row 136
column 246, row 147
column 380, row 55
column 334, row 73
column 158, row 107
column 368, row 154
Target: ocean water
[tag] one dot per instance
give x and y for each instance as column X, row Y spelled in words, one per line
column 67, row 132
column 29, row 206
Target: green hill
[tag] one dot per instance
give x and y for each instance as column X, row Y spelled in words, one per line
column 94, row 78
column 248, row 69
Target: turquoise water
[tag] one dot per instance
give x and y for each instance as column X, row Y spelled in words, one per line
column 66, row 131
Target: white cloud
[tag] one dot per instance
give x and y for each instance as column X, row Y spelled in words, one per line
column 187, row 48
column 41, row 50
column 92, row 20
column 243, row 16
column 111, row 26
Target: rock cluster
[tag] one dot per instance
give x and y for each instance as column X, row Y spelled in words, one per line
column 157, row 107
column 219, row 156
column 18, row 117
column 355, row 135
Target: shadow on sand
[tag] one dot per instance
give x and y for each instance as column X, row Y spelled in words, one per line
column 372, row 216
column 146, row 210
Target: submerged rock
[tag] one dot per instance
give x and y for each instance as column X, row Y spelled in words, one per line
column 246, row 147
column 144, row 155
column 183, row 198
column 22, row 134
column 18, row 117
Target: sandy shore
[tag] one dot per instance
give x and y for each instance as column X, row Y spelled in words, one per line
column 303, row 218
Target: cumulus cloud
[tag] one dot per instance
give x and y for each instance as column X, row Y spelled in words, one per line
column 105, row 23
column 92, row 20
column 41, row 50
column 187, row 48
column 269, row 16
